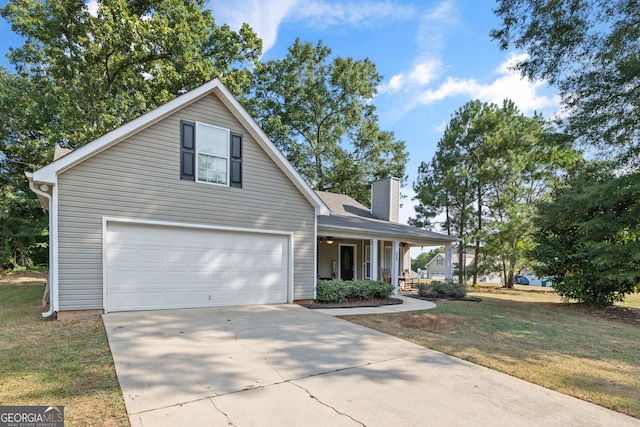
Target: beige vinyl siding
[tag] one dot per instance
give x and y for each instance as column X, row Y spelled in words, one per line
column 406, row 259
column 380, row 200
column 394, row 212
column 385, row 199
column 327, row 253
column 139, row 178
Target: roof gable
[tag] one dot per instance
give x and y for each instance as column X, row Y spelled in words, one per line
column 469, row 259
column 48, row 174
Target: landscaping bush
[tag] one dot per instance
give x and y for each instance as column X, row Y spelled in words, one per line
column 437, row 289
column 332, row 291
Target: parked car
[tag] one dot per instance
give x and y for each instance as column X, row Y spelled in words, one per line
column 521, row 280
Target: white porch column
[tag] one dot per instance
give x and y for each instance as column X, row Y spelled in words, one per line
column 448, row 274
column 395, row 257
column 373, row 254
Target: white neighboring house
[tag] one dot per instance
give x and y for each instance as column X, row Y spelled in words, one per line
column 435, row 268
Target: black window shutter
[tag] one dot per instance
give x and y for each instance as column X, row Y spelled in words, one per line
column 187, row 150
column 236, row 160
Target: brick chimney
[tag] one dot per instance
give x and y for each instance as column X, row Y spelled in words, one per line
column 385, row 199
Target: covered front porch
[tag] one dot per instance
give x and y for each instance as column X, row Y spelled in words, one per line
column 358, row 243
column 345, row 255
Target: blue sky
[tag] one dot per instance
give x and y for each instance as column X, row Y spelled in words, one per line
column 434, row 56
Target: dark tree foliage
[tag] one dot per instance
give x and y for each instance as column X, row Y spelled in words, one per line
column 588, row 238
column 79, row 75
column 491, row 165
column 591, row 51
column 317, row 110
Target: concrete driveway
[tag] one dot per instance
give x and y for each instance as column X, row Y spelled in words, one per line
column 286, row 365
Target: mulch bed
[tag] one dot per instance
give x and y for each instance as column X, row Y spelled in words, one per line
column 355, row 303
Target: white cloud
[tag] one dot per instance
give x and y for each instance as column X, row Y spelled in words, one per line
column 323, row 14
column 435, row 23
column 425, row 72
column 419, row 76
column 507, row 66
column 451, row 87
column 266, row 16
column 395, row 84
column 509, row 84
column 263, row 16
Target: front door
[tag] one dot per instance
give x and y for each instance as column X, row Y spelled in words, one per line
column 346, row 262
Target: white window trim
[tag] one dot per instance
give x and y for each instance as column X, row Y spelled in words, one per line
column 228, row 177
column 366, row 260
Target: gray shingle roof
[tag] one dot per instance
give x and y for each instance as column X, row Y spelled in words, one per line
column 352, row 219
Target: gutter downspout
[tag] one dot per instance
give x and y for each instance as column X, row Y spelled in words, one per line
column 52, row 288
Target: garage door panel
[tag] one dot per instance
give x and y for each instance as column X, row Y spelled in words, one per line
column 270, row 279
column 175, row 274
column 150, row 298
column 260, row 279
column 150, row 278
column 195, row 297
column 218, row 258
column 178, row 297
column 264, row 259
column 124, row 301
column 173, row 256
column 150, row 255
column 198, row 257
column 120, row 253
column 123, row 278
column 158, row 267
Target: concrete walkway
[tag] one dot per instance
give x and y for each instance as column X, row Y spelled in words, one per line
column 286, row 365
column 408, row 304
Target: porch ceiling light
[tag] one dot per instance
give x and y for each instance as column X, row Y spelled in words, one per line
column 329, row 240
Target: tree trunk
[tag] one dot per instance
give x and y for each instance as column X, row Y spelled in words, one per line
column 461, row 270
column 476, row 254
column 505, row 279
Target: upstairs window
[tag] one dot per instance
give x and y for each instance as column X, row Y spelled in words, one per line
column 210, row 154
column 212, row 146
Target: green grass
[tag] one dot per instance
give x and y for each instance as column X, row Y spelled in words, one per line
column 590, row 353
column 632, row 300
column 65, row 363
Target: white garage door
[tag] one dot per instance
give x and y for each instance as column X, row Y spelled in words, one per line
column 150, row 267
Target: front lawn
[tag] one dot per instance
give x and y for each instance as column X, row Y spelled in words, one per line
column 65, row 363
column 590, row 353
